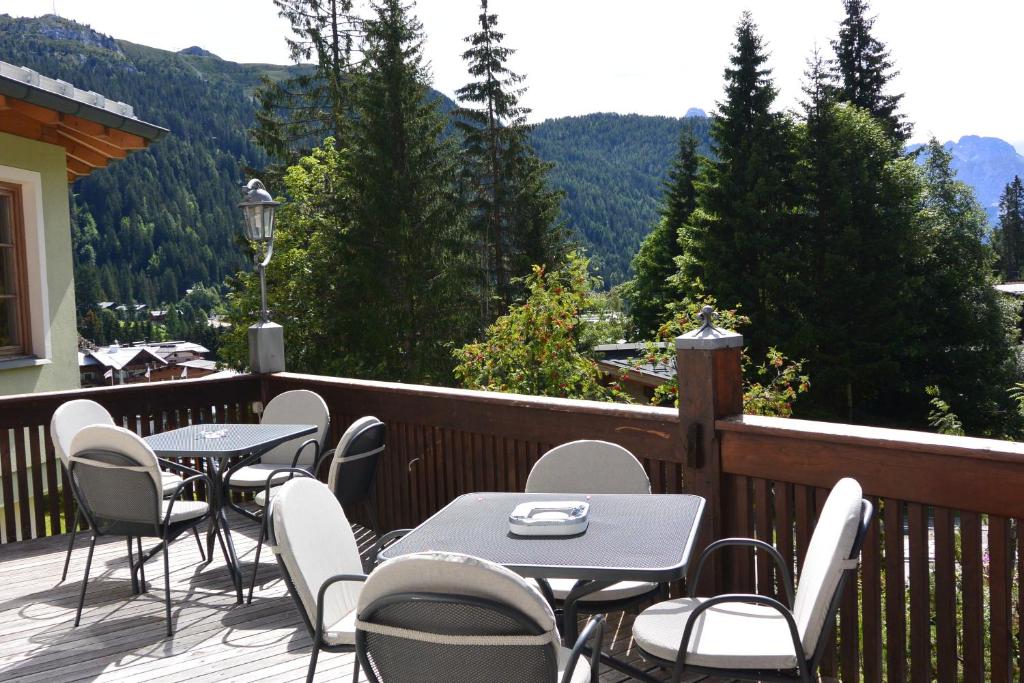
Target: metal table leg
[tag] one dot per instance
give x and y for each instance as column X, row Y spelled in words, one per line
column 220, row 519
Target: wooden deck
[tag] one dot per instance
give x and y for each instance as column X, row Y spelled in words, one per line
column 122, row 636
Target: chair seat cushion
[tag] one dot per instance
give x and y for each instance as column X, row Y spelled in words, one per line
column 618, row 591
column 184, row 510
column 343, row 631
column 261, row 497
column 581, row 674
column 255, row 476
column 727, row 636
column 169, row 482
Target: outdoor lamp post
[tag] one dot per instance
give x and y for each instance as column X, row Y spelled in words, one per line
column 266, row 339
column 258, row 208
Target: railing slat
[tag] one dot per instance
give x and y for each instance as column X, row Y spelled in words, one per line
column 7, row 484
column 920, row 598
column 973, row 602
column 1000, row 599
column 763, row 526
column 871, row 600
column 21, row 459
column 38, row 507
column 895, row 593
column 53, row 482
column 946, row 660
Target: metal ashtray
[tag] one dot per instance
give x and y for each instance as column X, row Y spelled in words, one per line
column 213, row 434
column 550, row 518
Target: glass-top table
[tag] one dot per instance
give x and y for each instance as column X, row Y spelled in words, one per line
column 215, row 444
column 630, row 537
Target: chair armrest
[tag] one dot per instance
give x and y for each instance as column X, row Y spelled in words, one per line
column 742, row 598
column 166, row 522
column 385, row 540
column 270, row 480
column 787, row 581
column 337, row 578
column 298, row 452
column 593, row 633
column 324, row 457
column 177, row 467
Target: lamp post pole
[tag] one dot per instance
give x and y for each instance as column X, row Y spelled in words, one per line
column 266, row 339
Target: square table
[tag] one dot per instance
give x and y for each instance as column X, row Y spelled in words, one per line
column 630, row 537
column 239, row 439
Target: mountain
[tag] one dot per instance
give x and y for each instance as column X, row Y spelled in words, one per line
column 154, row 224
column 987, row 164
column 611, row 168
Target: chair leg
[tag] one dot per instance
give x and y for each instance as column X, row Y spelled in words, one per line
column 85, row 581
column 142, row 567
column 312, row 663
column 355, row 671
column 167, row 589
column 199, row 542
column 71, row 545
column 132, row 567
column 256, row 563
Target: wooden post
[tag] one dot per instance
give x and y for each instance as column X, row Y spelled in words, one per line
column 710, row 386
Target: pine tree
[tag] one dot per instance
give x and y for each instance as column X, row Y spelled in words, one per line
column 652, row 287
column 514, row 213
column 298, row 113
column 738, row 244
column 863, row 69
column 967, row 335
column 1009, row 235
column 408, row 243
column 858, row 240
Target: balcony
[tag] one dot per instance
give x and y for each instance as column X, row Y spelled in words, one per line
column 938, row 596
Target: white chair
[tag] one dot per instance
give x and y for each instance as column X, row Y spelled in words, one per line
column 68, row 420
column 351, row 477
column 319, row 558
column 755, row 637
column 291, row 407
column 589, row 466
column 119, row 488
column 450, row 617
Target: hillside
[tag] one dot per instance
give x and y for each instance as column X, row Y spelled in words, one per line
column 611, row 168
column 156, row 223
column 151, row 226
column 987, row 164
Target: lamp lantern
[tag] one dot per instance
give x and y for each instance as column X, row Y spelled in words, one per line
column 258, row 209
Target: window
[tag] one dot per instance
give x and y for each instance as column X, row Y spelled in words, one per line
column 15, row 331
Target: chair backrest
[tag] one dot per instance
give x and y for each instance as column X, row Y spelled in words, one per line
column 313, row 541
column 354, row 467
column 588, row 467
column 300, row 406
column 69, row 418
column 116, row 478
column 444, row 617
column 832, row 551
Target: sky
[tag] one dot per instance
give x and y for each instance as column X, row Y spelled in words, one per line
column 956, row 59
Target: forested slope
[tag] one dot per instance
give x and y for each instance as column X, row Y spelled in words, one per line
column 152, row 225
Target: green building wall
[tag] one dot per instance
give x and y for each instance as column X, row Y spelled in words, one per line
column 60, row 370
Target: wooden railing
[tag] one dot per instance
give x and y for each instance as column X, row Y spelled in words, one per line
column 446, row 442
column 35, row 501
column 938, row 596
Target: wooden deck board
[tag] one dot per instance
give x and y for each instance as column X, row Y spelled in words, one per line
column 122, row 636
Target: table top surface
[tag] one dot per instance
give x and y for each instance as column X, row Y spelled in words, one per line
column 647, row 537
column 238, row 439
